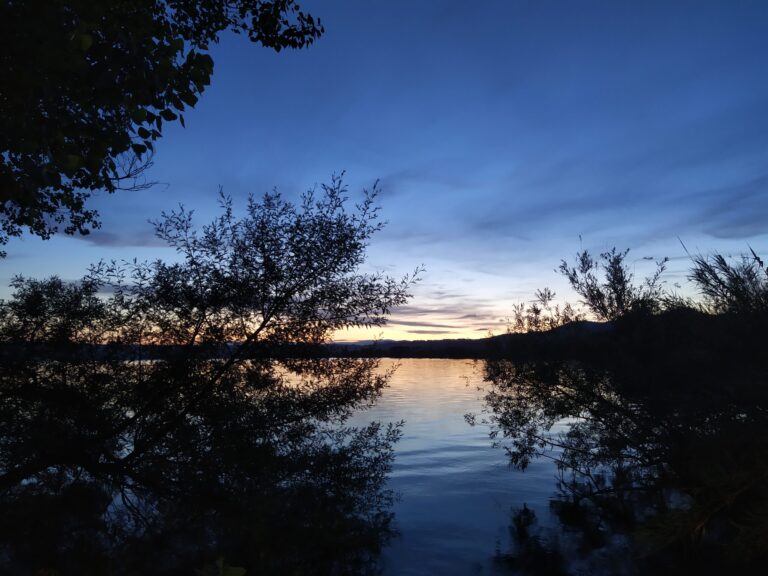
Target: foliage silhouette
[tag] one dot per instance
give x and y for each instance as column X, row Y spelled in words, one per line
column 114, row 463
column 101, row 472
column 85, row 88
column 540, row 314
column 663, row 450
column 740, row 288
column 52, row 312
column 666, row 445
column 615, row 295
column 727, row 287
column 280, row 274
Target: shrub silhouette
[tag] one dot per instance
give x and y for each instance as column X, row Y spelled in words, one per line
column 740, row 287
column 540, row 314
column 615, row 294
column 115, row 462
column 103, row 81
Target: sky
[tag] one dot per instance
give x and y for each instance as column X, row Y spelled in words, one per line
column 506, row 136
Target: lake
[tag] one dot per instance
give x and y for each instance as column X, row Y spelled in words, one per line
column 456, row 467
column 456, row 491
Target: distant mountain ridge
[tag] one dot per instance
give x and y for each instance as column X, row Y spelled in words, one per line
column 574, row 334
column 680, row 334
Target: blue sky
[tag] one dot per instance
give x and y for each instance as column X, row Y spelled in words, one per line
column 502, row 132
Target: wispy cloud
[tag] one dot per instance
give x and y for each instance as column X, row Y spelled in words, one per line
column 394, row 321
column 430, row 332
column 739, row 211
column 127, row 238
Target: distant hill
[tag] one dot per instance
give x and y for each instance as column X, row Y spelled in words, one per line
column 570, row 338
column 682, row 335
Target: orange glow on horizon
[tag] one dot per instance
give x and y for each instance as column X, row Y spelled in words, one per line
column 431, row 328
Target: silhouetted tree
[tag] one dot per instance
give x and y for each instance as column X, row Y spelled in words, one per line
column 280, row 274
column 614, row 295
column 86, row 86
column 114, row 463
column 663, row 451
column 540, row 314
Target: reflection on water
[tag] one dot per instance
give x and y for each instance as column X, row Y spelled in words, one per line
column 120, row 467
column 455, row 489
column 661, row 472
column 114, row 467
column 183, row 465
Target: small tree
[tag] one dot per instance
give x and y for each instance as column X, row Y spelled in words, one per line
column 615, row 295
column 214, row 447
column 281, row 274
column 540, row 314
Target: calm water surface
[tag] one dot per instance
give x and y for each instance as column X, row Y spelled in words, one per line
column 455, row 490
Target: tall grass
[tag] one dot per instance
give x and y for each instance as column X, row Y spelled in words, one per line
column 739, row 287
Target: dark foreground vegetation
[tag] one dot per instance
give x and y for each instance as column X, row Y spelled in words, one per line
column 86, row 87
column 663, row 468
column 211, row 459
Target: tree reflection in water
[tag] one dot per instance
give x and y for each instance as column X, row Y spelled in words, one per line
column 114, row 465
column 663, row 467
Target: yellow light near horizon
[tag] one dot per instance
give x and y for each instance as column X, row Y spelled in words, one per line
column 395, row 332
